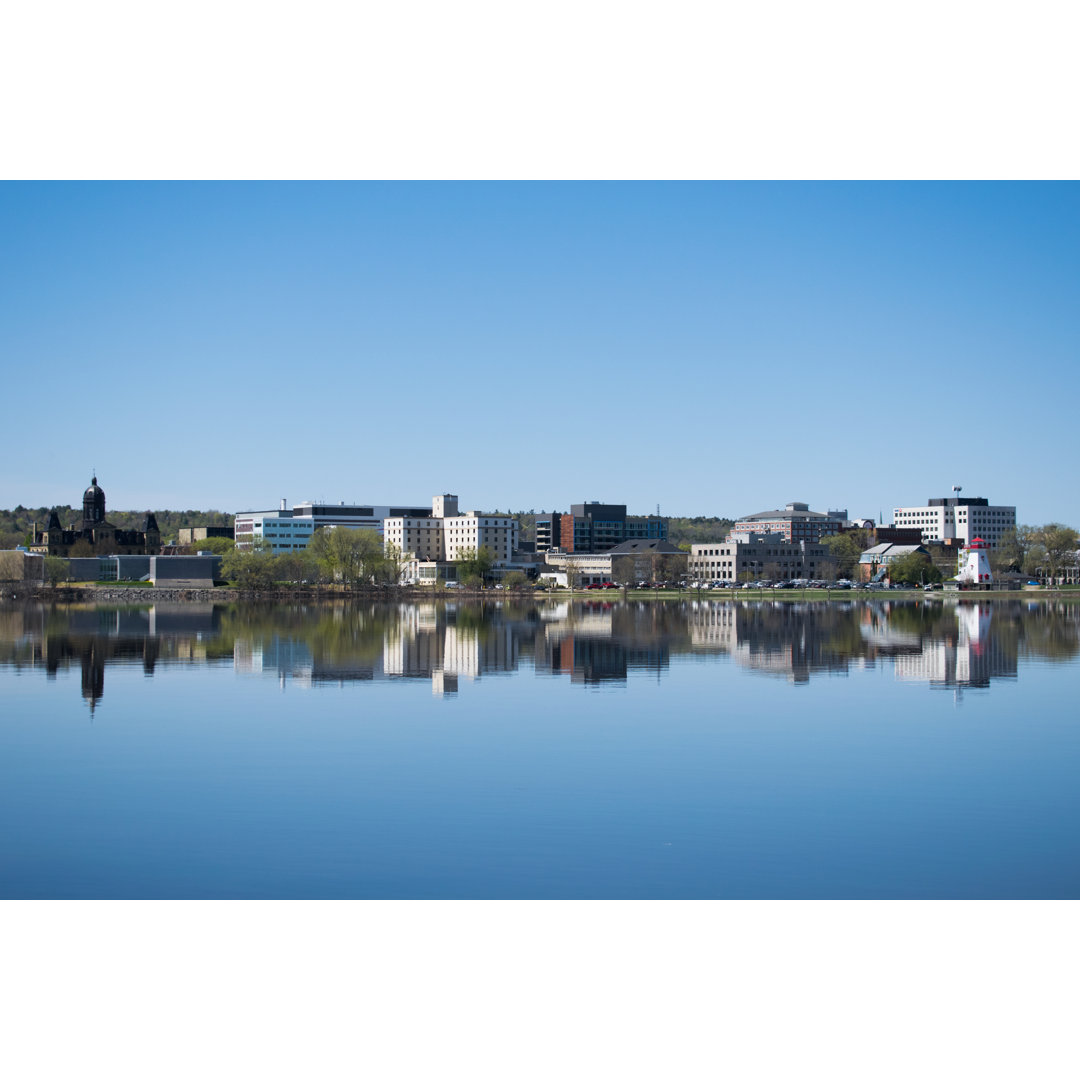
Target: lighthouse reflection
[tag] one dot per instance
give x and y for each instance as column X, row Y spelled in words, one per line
column 595, row 645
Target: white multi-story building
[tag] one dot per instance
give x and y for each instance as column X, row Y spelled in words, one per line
column 291, row 530
column 957, row 519
column 442, row 535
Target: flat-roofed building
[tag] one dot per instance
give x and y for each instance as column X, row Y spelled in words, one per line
column 442, row 536
column 957, row 520
column 292, row 530
column 186, row 537
column 755, row 556
column 595, row 527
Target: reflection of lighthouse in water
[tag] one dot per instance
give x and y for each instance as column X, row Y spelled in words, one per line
column 974, row 568
column 973, row 646
column 968, row 657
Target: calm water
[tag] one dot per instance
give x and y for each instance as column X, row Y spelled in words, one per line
column 727, row 749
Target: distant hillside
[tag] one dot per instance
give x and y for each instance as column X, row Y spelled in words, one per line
column 16, row 525
column 698, row 530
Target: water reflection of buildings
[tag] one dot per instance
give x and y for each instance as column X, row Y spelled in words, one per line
column 451, row 644
column 945, row 645
column 94, row 637
column 602, row 642
column 969, row 657
column 439, row 642
column 593, row 643
column 780, row 638
column 446, row 644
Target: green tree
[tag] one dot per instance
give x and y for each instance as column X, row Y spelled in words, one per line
column 515, row 580
column 473, row 565
column 255, row 570
column 698, row 530
column 845, row 548
column 350, row 556
column 216, row 545
column 1059, row 544
column 56, row 570
column 393, row 564
column 297, row 567
column 914, row 568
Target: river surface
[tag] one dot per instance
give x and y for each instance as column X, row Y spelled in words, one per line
column 760, row 749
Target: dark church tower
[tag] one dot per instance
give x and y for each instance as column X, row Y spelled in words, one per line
column 53, row 536
column 93, row 505
column 152, row 534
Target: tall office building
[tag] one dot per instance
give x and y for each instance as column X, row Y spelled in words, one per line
column 957, row 520
column 593, row 527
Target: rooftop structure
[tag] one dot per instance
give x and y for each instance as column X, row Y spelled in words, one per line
column 595, row 527
column 290, row 530
column 957, row 519
column 441, row 536
column 759, row 555
column 640, row 559
column 95, row 533
column 874, row 562
column 795, row 522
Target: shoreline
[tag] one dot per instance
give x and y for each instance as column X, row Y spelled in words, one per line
column 20, row 592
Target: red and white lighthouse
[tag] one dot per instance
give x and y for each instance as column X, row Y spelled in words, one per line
column 974, row 563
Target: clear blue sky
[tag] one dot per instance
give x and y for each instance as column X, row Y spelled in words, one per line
column 714, row 348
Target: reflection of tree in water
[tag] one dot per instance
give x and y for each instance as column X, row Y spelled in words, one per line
column 925, row 619
column 336, row 631
column 798, row 640
column 1051, row 631
column 351, row 636
column 968, row 641
column 56, row 638
column 602, row 641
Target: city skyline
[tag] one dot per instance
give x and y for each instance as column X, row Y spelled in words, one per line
column 717, row 348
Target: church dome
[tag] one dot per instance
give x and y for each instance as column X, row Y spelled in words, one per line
column 93, row 504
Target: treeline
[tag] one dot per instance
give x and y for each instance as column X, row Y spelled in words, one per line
column 698, row 530
column 351, row 558
column 16, row 525
column 1043, row 550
